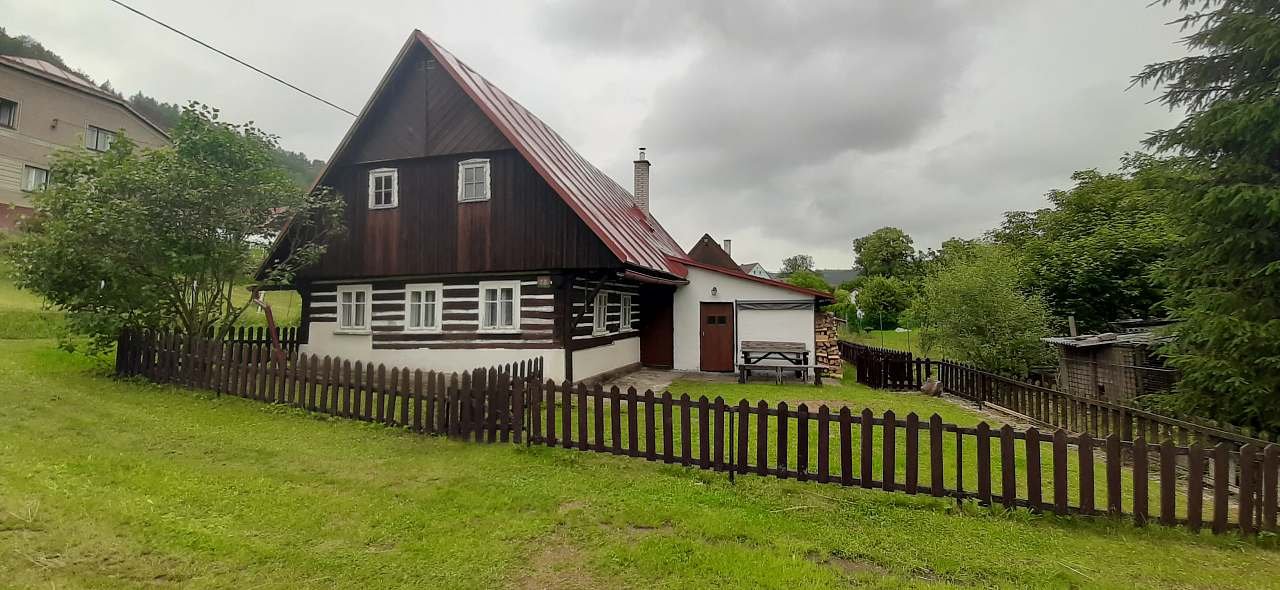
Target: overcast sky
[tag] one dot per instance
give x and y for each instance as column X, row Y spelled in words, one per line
column 788, row 127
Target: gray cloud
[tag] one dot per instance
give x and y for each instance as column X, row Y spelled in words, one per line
column 788, row 126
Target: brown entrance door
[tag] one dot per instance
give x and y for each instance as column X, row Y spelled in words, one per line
column 716, row 327
column 656, row 333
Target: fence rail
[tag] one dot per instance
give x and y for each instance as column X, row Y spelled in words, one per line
column 484, row 403
column 891, row 369
column 1057, row 472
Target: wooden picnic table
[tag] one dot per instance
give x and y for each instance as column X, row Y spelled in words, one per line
column 794, row 353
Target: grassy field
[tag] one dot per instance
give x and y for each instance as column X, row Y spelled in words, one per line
column 110, row 484
column 905, row 341
column 25, row 315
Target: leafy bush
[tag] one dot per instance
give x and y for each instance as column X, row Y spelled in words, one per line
column 974, row 308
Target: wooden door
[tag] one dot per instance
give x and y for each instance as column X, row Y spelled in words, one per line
column 716, row 342
column 656, row 323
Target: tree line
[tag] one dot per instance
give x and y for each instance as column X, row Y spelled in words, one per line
column 1187, row 230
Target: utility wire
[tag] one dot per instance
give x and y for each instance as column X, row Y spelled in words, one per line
column 227, row 55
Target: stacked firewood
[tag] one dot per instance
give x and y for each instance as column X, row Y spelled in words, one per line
column 826, row 350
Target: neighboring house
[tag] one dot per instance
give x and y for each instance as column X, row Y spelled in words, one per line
column 477, row 236
column 44, row 108
column 755, row 269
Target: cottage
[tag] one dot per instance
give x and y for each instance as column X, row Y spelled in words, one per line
column 478, row 236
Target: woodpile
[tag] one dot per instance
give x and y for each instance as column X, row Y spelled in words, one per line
column 826, row 350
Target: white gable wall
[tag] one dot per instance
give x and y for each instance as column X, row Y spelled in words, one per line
column 779, row 325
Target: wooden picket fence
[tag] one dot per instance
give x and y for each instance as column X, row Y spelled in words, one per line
column 891, row 369
column 1057, row 472
column 484, row 404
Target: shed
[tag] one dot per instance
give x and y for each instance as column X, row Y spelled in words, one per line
column 1113, row 366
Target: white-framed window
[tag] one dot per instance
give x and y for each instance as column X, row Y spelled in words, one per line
column 8, row 113
column 384, row 188
column 473, row 180
column 600, row 314
column 500, row 306
column 354, row 307
column 98, row 139
column 34, row 179
column 422, row 307
column 626, row 313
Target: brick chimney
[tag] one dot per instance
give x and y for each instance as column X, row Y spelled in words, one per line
column 641, row 179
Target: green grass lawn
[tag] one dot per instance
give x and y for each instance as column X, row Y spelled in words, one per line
column 905, row 341
column 114, row 484
column 25, row 315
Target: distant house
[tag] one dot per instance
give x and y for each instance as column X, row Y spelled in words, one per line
column 1114, row 366
column 477, row 236
column 755, row 269
column 44, row 108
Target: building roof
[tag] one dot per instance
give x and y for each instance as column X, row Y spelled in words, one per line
column 1109, row 339
column 48, row 71
column 822, row 295
column 633, row 235
column 708, row 251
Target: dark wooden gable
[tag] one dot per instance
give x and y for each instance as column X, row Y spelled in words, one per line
column 421, row 112
column 423, row 124
column 708, row 251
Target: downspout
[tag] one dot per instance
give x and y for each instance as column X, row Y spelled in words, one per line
column 277, row 352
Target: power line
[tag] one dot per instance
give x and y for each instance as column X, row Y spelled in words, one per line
column 227, row 55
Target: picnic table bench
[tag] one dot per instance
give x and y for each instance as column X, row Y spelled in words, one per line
column 745, row 370
column 794, row 354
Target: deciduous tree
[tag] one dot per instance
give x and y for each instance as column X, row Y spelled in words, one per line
column 152, row 238
column 886, row 252
column 797, row 263
column 974, row 308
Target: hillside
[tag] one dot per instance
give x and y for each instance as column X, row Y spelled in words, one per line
column 302, row 169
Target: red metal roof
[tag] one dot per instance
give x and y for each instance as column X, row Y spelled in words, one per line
column 634, row 236
column 746, row 277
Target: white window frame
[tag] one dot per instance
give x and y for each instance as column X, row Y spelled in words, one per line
column 624, row 323
column 485, row 318
column 29, row 186
column 394, row 175
column 96, row 133
column 353, row 328
column 600, row 314
column 479, row 164
column 14, row 124
column 437, row 317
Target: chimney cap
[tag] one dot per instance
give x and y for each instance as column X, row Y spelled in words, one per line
column 641, row 155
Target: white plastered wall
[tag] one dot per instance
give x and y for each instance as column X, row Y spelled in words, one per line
column 359, row 347
column 777, row 325
column 594, row 361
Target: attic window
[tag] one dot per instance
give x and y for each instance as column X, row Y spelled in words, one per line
column 473, row 180
column 384, row 188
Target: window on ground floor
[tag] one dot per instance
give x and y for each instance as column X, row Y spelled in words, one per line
column 353, row 307
column 422, row 307
column 500, row 306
